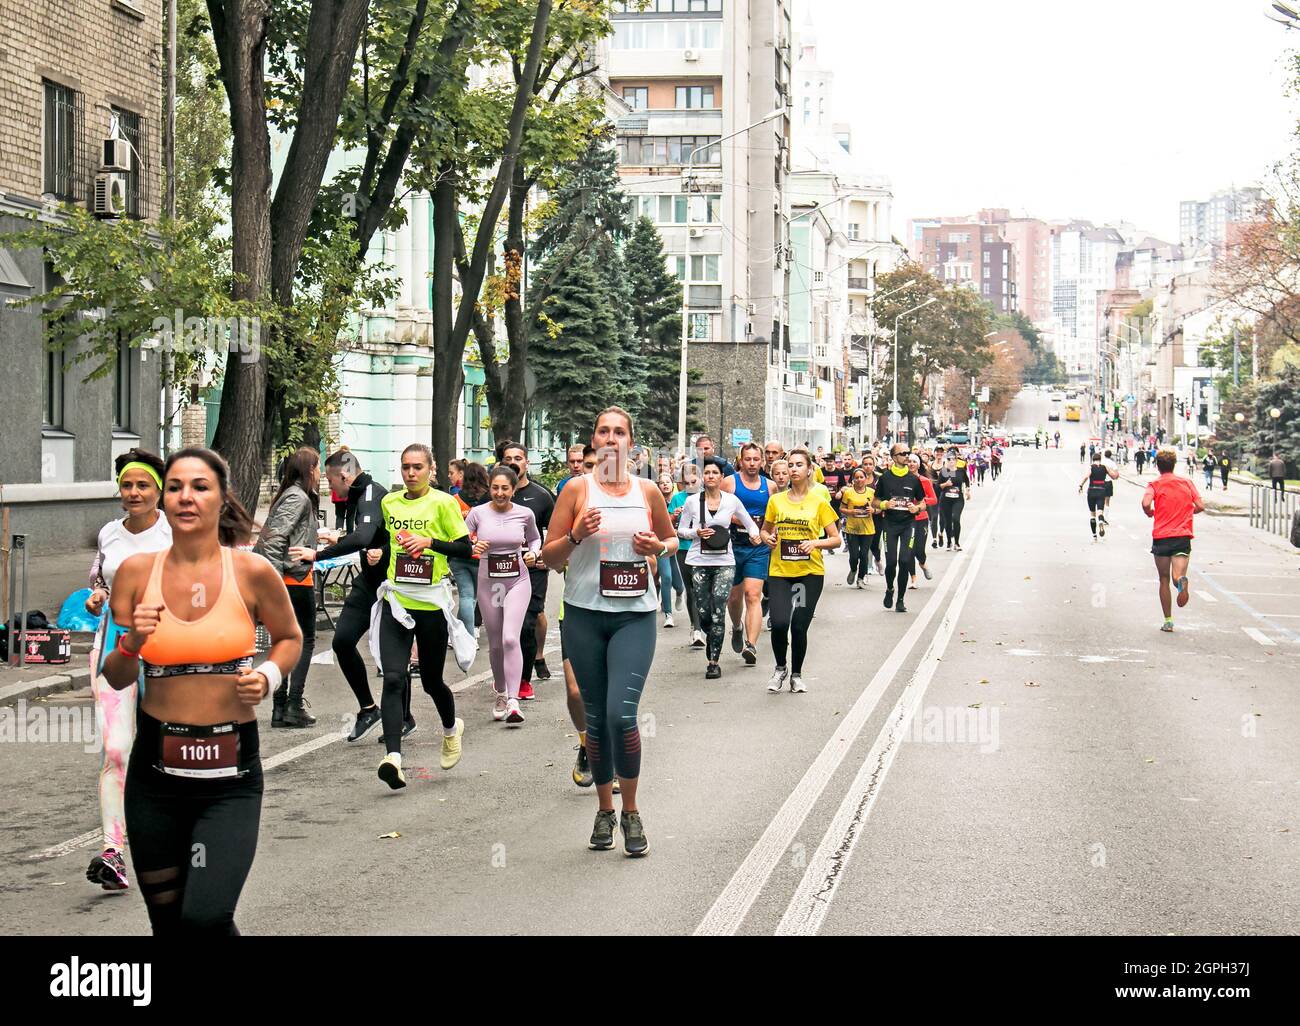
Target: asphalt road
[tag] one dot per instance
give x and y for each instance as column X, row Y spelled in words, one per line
column 1022, row 752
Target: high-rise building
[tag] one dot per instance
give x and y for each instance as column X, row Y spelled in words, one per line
column 1205, row 222
column 1083, row 266
column 1031, row 242
column 703, row 156
column 973, row 254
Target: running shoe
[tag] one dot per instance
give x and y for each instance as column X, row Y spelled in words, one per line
column 108, row 870
column 796, row 684
column 737, row 640
column 697, row 639
column 861, row 583
column 712, row 672
column 451, row 745
column 668, row 620
column 1167, row 626
column 408, row 728
column 513, row 715
column 1184, row 592
column 852, row 578
column 582, row 768
column 500, row 706
column 390, row 772
column 899, row 607
column 541, row 670
column 634, row 843
column 880, row 567
column 957, row 548
column 602, row 834
column 1101, row 526
column 617, row 787
column 679, row 600
column 526, row 691
column 926, row 570
column 767, row 622
column 889, row 597
column 367, row 720
column 750, row 655
column 777, row 683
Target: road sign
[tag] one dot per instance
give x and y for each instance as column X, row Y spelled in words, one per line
column 739, row 436
column 894, row 406
column 984, row 394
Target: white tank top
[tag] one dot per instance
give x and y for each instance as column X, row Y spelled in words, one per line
column 605, row 572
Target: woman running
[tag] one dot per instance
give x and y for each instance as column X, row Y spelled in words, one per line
column 473, row 492
column 1098, row 477
column 921, row 525
column 859, row 525
column 792, row 528
column 706, row 521
column 194, row 781
column 669, row 573
column 506, row 542
column 424, row 527
column 291, row 522
column 608, row 527
column 954, row 490
column 145, row 529
column 690, row 486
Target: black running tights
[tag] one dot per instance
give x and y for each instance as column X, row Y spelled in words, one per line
column 430, row 633
column 794, row 601
column 898, row 553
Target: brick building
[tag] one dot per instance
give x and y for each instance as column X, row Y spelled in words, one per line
column 67, row 69
column 970, row 253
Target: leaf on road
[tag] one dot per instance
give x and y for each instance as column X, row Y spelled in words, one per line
column 974, row 705
column 383, row 837
column 1032, row 684
column 982, row 680
column 1150, row 760
column 1028, row 578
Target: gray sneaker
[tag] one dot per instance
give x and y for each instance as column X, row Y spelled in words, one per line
column 777, row 683
column 602, row 834
column 634, row 843
column 926, row 570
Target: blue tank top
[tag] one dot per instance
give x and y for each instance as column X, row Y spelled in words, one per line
column 755, row 502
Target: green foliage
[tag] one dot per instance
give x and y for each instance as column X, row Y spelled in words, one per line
column 202, row 123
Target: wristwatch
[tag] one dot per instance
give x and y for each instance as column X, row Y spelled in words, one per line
column 572, row 540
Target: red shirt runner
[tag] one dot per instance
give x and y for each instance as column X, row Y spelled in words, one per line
column 1174, row 501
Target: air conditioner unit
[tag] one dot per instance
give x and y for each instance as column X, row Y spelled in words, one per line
column 117, row 155
column 696, row 233
column 691, row 55
column 110, row 194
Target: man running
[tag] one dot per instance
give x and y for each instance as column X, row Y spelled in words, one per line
column 1171, row 502
column 899, row 496
column 751, row 488
column 532, row 639
column 706, row 452
column 575, row 459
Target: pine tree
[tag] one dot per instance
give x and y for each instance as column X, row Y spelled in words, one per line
column 574, row 361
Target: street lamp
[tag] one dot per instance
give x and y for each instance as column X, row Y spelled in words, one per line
column 1275, row 413
column 1283, row 14
column 894, row 408
column 687, row 179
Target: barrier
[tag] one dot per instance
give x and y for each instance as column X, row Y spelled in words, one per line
column 1271, row 510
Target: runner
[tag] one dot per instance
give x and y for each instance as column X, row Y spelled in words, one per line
column 1098, row 476
column 607, row 529
column 144, row 529
column 291, row 523
column 706, row 452
column 576, row 458
column 873, row 478
column 473, row 492
column 707, row 522
column 921, row 525
column 779, row 478
column 424, row 527
column 669, row 574
column 1140, row 460
column 859, row 524
column 772, row 451
column 954, row 490
column 1108, row 461
column 1209, row 464
column 539, row 499
column 506, row 542
column 194, row 780
column 689, row 486
column 572, row 696
column 746, row 599
column 995, row 461
column 899, row 496
column 1172, row 502
column 792, row 527
column 366, row 514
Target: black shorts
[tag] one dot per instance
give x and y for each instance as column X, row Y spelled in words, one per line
column 1181, row 546
column 1096, row 499
column 1110, row 489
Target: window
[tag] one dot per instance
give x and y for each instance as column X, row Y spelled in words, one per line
column 988, row 272
column 957, row 237
column 987, row 291
column 122, row 379
column 689, row 97
column 637, row 97
column 651, row 150
column 701, row 327
column 678, row 267
column 52, row 389
column 673, row 209
column 989, row 237
column 667, row 35
column 63, row 130
column 987, row 256
column 704, row 267
column 855, row 231
column 129, row 123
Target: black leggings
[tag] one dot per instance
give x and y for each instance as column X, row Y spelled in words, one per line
column 192, row 841
column 950, row 515
column 430, row 633
column 711, row 586
column 874, row 543
column 794, row 602
column 350, row 627
column 898, row 553
column 859, row 550
column 918, row 540
column 303, row 599
column 611, row 655
column 692, row 610
column 537, row 580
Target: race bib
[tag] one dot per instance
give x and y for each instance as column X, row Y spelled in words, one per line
column 791, row 554
column 205, row 753
column 412, row 569
column 503, row 564
column 624, row 580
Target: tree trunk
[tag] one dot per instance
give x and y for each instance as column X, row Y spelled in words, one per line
column 448, row 374
column 239, row 32
column 513, row 391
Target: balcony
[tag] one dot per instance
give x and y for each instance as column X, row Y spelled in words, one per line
column 859, row 284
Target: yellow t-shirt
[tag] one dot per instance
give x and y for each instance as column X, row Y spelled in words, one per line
column 791, row 521
column 854, row 500
column 817, row 474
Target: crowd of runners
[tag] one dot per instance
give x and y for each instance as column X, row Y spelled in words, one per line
column 192, row 592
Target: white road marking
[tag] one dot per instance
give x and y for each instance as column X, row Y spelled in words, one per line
column 1268, row 594
column 1205, row 596
column 67, row 847
column 734, row 902
column 1257, row 635
column 812, row 900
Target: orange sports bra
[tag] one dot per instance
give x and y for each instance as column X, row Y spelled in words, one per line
column 222, row 640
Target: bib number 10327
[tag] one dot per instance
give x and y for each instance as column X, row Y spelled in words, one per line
column 624, row 580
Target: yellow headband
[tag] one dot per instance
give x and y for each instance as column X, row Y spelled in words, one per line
column 146, row 468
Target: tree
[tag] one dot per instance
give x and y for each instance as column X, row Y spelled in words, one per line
column 202, row 125
column 575, row 366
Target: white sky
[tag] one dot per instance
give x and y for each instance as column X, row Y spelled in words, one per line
column 1113, row 110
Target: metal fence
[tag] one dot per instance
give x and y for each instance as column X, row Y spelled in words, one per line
column 1272, row 510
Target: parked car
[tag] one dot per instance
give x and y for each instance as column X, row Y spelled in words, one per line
column 1022, row 438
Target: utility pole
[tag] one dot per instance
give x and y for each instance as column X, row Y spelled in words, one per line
column 169, row 203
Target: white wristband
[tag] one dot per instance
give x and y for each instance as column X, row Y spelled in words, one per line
column 272, row 674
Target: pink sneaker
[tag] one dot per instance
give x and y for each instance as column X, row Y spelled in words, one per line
column 109, row 870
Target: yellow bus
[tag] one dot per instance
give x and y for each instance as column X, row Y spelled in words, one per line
column 1073, row 410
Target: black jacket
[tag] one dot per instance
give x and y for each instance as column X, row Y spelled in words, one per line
column 365, row 512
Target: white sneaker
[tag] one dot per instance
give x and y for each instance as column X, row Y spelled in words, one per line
column 928, row 576
column 767, row 622
column 499, row 707
column 777, row 683
column 796, row 685
column 679, row 601
column 698, row 640
column 513, row 715
column 668, row 620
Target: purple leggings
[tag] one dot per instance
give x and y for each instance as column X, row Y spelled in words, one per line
column 503, row 603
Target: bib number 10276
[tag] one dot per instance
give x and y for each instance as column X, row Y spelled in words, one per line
column 624, row 580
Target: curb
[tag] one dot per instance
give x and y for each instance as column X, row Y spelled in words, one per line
column 51, row 685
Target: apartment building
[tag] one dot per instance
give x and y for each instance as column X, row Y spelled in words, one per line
column 68, row 73
column 971, row 254
column 1082, row 269
column 1205, row 222
column 704, row 151
column 1031, row 243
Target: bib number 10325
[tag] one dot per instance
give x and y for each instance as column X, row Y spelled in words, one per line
column 624, row 580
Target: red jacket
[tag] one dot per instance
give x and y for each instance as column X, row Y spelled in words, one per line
column 930, row 498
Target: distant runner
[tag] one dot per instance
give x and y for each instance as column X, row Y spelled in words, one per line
column 1172, row 502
